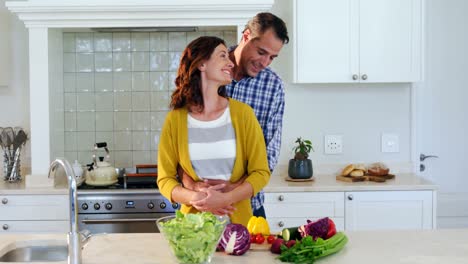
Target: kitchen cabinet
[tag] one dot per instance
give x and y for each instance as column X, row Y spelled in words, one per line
column 285, row 209
column 357, row 210
column 357, row 41
column 388, row 210
column 34, row 213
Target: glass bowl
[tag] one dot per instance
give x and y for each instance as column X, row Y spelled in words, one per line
column 193, row 238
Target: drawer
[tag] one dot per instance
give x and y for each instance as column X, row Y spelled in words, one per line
column 34, row 207
column 34, row 227
column 316, row 205
column 278, row 223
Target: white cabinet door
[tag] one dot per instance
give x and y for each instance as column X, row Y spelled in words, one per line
column 345, row 41
column 34, row 207
column 294, row 209
column 388, row 210
column 326, row 41
column 390, row 37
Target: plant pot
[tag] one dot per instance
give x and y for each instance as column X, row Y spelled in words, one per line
column 300, row 169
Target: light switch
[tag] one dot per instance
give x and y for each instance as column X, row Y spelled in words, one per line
column 390, row 142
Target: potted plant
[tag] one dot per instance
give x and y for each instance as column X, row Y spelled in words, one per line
column 300, row 167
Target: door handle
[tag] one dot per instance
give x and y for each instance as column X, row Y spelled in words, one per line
column 422, row 157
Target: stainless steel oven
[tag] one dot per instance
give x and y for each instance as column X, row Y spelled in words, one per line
column 122, row 210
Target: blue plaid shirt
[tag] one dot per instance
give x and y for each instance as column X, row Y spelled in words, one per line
column 265, row 94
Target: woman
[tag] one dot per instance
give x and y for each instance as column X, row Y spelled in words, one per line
column 210, row 136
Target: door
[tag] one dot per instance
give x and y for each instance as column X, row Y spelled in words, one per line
column 326, row 40
column 441, row 109
column 390, row 40
column 387, row 210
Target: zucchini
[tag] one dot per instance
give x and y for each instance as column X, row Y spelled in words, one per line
column 291, row 233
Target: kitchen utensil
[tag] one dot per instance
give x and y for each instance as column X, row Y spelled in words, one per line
column 19, row 140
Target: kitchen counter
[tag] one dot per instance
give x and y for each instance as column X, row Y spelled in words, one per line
column 415, row 247
column 328, row 183
column 40, row 184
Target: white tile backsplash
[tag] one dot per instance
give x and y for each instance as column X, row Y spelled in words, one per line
column 103, row 82
column 85, row 121
column 103, row 42
column 140, row 41
column 104, row 101
column 84, row 62
column 105, row 121
column 140, row 81
column 103, row 62
column 123, row 101
column 116, row 89
column 85, row 82
column 141, row 101
column 122, row 61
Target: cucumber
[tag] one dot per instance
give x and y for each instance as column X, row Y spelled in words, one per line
column 291, row 233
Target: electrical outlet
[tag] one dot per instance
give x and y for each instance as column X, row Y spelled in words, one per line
column 333, row 144
column 390, row 142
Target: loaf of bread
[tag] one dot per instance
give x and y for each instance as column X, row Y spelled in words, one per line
column 347, row 170
column 357, row 173
column 378, row 169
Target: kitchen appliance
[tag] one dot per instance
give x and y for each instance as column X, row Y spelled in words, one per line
column 101, row 173
column 122, row 207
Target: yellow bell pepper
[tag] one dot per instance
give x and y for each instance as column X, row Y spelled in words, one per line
column 258, row 225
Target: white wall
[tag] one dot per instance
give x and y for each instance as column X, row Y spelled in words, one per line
column 14, row 99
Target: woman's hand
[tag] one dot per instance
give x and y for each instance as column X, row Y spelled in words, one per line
column 214, row 199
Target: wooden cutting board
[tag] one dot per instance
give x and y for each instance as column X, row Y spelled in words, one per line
column 365, row 178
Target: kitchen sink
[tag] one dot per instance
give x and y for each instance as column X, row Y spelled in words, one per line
column 36, row 254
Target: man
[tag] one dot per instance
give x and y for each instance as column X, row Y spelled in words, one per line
column 255, row 84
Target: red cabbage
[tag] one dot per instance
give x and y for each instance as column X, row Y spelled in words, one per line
column 235, row 240
column 315, row 229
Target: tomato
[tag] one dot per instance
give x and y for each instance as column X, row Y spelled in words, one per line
column 270, row 239
column 259, row 239
column 252, row 238
column 331, row 228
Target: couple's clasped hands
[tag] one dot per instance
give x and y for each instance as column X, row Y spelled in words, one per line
column 213, row 196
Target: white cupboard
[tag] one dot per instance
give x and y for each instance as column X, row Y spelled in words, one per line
column 388, row 210
column 360, row 210
column 346, row 41
column 34, row 213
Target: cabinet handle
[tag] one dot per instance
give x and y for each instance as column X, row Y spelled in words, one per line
column 5, row 227
column 281, row 198
column 4, row 201
column 355, row 77
column 281, row 224
column 364, row 77
column 350, row 197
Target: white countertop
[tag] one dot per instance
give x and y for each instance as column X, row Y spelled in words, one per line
column 369, row 247
column 328, row 183
column 23, row 188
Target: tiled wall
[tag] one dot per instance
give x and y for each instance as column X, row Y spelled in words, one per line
column 117, row 88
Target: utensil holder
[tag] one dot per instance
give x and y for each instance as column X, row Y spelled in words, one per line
column 11, row 167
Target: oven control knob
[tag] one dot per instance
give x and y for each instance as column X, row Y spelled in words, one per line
column 84, row 206
column 175, row 205
column 108, row 206
column 162, row 205
column 97, row 206
column 150, row 205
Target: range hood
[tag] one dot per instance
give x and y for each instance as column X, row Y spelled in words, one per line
column 46, row 18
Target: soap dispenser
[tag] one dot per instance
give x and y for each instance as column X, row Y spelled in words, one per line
column 78, row 170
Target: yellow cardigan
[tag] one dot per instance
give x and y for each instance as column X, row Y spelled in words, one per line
column 251, row 157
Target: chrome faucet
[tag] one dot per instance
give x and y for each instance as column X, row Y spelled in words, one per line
column 74, row 236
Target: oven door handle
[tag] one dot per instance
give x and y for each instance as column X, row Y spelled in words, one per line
column 118, row 220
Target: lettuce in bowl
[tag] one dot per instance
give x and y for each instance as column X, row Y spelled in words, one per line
column 192, row 237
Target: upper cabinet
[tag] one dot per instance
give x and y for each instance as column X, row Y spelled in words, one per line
column 350, row 41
